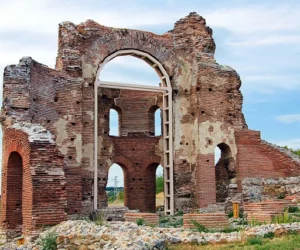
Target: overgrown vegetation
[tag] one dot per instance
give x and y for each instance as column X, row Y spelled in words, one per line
column 283, row 218
column 48, row 242
column 269, row 235
column 199, row 227
column 99, row 219
column 170, row 221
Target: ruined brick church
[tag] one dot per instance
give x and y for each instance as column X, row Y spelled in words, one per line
column 57, row 149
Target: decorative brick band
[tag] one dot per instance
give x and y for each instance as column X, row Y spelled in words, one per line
column 211, row 220
column 149, row 218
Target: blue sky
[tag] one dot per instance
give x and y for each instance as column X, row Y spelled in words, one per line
column 259, row 39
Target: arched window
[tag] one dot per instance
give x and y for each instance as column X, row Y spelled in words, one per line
column 115, row 122
column 157, row 119
column 154, row 119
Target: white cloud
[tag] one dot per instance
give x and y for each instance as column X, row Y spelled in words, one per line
column 264, row 41
column 256, row 18
column 293, row 143
column 268, row 83
column 289, row 118
column 43, row 15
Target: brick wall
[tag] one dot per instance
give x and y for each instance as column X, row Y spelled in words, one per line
column 265, row 211
column 37, row 197
column 256, row 159
column 148, row 218
column 211, row 220
column 15, row 212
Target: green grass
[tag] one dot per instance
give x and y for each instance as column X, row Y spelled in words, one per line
column 288, row 242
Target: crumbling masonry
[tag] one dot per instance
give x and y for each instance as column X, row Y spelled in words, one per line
column 48, row 121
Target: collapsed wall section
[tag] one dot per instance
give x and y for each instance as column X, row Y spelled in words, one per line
column 34, row 93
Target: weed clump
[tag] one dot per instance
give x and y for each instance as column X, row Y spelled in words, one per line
column 48, row 242
column 140, row 221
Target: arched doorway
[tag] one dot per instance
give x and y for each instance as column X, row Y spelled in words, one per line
column 115, row 186
column 14, row 191
column 166, row 90
column 224, row 171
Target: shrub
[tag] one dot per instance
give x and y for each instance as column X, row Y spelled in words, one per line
column 179, row 213
column 164, row 219
column 99, row 219
column 177, row 223
column 293, row 209
column 255, row 241
column 48, row 242
column 269, row 235
column 140, row 221
column 199, row 227
column 281, row 196
column 230, row 214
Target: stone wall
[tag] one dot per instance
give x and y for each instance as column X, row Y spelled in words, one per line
column 260, row 189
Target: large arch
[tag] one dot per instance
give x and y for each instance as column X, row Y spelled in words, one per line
column 166, row 89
